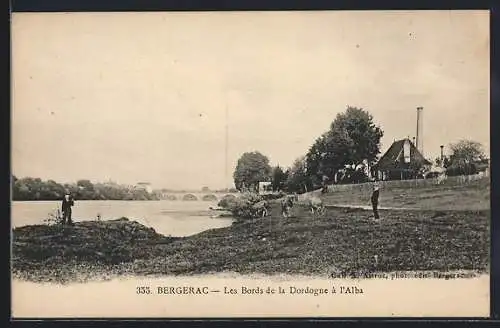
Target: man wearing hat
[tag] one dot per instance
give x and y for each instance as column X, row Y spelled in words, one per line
column 66, row 208
column 374, row 199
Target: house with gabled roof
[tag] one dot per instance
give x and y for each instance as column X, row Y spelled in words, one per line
column 401, row 161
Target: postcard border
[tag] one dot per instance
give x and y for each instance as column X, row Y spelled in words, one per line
column 116, row 5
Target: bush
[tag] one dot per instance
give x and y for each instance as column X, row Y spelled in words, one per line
column 242, row 207
column 224, row 202
column 461, row 169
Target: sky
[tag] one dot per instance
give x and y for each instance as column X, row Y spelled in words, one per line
column 135, row 97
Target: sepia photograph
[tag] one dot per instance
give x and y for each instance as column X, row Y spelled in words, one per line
column 317, row 164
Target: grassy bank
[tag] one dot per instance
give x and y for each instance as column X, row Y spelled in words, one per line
column 343, row 241
column 474, row 195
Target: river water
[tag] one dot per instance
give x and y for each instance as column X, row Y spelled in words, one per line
column 174, row 218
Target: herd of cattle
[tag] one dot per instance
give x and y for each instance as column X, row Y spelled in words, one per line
column 313, row 203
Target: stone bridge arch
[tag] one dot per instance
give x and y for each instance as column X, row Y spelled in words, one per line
column 189, row 197
column 170, row 197
column 209, row 198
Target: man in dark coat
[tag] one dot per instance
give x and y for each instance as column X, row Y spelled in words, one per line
column 324, row 184
column 66, row 208
column 374, row 199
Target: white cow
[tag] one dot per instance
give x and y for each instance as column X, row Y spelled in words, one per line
column 441, row 178
column 315, row 205
column 261, row 209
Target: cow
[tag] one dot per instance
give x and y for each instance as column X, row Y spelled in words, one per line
column 261, row 209
column 440, row 178
column 287, row 204
column 315, row 205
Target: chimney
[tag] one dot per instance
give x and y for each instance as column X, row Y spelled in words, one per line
column 420, row 137
column 442, row 155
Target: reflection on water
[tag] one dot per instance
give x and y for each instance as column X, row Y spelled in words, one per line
column 175, row 218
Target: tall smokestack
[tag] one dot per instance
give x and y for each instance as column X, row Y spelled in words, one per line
column 420, row 137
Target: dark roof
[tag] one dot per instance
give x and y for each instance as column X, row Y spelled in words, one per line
column 392, row 158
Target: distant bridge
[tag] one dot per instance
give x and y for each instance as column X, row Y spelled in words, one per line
column 190, row 196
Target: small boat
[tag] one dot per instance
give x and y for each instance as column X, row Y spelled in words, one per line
column 217, row 208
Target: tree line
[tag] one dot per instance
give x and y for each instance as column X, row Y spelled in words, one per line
column 29, row 188
column 344, row 153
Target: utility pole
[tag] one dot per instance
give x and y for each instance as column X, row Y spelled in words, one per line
column 226, row 151
column 420, row 137
column 442, row 155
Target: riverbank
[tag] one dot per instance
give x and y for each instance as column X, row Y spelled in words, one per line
column 343, row 242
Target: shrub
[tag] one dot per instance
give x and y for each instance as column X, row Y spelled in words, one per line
column 461, row 169
column 224, row 202
column 53, row 218
column 242, row 207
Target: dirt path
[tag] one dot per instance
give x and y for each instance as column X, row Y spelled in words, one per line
column 367, row 207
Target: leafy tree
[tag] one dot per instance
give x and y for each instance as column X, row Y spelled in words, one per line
column 21, row 190
column 252, row 168
column 71, row 187
column 278, row 178
column 352, row 138
column 356, row 128
column 298, row 179
column 316, row 163
column 85, row 189
column 55, row 190
column 465, row 154
column 461, row 169
column 14, row 186
column 85, row 184
column 30, row 188
column 466, row 151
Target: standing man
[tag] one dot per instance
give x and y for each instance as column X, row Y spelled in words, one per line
column 324, row 184
column 374, row 199
column 66, row 208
